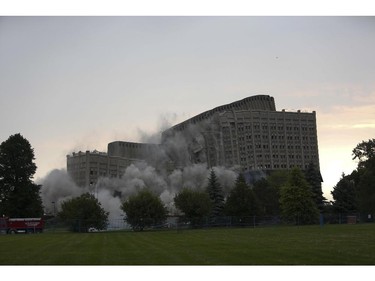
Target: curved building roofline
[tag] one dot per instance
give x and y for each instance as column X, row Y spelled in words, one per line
column 256, row 102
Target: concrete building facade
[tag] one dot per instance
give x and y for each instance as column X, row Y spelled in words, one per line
column 85, row 168
column 134, row 150
column 249, row 134
column 265, row 140
column 252, row 135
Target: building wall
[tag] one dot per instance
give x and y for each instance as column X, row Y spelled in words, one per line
column 251, row 139
column 86, row 168
column 258, row 102
column 267, row 140
column 132, row 150
column 249, row 134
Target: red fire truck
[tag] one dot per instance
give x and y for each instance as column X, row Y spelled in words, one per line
column 21, row 225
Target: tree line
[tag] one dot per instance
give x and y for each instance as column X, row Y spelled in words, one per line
column 285, row 192
column 294, row 194
column 355, row 193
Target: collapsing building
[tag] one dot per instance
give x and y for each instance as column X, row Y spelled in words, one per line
column 86, row 168
column 249, row 135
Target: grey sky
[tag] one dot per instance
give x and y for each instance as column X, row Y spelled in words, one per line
column 77, row 83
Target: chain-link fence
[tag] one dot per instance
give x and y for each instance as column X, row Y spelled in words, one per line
column 347, row 218
column 172, row 222
column 181, row 223
column 79, row 225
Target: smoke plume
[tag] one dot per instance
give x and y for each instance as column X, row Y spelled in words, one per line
column 154, row 173
column 57, row 186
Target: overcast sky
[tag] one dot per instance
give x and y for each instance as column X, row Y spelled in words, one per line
column 77, row 83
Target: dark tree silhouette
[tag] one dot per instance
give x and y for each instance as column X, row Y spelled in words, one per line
column 345, row 195
column 356, row 192
column 314, row 179
column 241, row 201
column 365, row 150
column 215, row 193
column 19, row 196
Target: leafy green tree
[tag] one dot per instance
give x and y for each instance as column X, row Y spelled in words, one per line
column 196, row 205
column 215, row 193
column 356, row 192
column 268, row 197
column 241, row 201
column 268, row 192
column 83, row 212
column 278, row 178
column 364, row 176
column 19, row 196
column 364, row 151
column 296, row 200
column 345, row 195
column 366, row 188
column 314, row 179
column 144, row 209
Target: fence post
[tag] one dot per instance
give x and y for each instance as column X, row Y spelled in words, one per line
column 254, row 221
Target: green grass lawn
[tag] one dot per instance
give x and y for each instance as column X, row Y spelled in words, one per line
column 287, row 245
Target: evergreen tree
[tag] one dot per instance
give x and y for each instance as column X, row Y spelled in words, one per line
column 296, row 200
column 19, row 196
column 216, row 195
column 268, row 191
column 268, row 197
column 314, row 179
column 278, row 178
column 241, row 201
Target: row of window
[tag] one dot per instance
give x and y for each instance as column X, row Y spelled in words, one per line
column 227, row 133
column 135, row 145
column 274, row 157
column 277, row 166
column 272, row 138
column 257, row 126
column 244, row 148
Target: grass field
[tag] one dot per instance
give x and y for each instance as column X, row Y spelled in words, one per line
column 287, row 245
